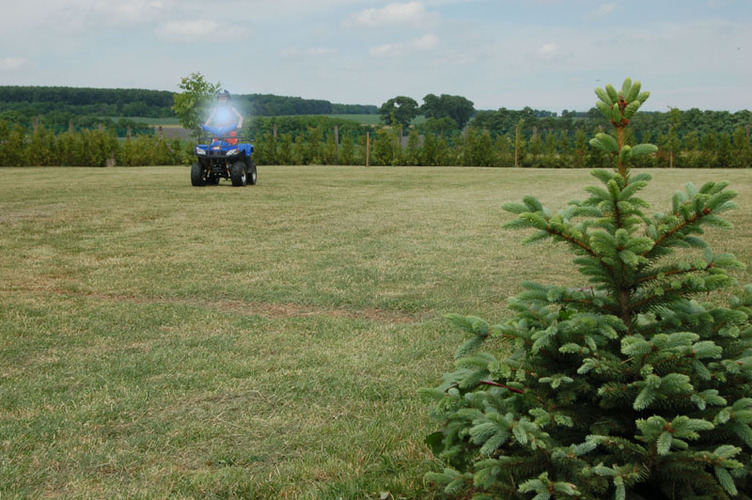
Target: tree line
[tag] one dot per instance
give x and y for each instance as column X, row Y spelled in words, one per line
column 274, row 105
column 479, row 147
column 645, row 125
column 331, row 141
column 27, row 102
column 502, row 138
column 96, row 147
column 60, row 105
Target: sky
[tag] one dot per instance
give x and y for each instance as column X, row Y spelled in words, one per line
column 545, row 54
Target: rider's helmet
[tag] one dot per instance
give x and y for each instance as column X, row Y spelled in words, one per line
column 223, row 93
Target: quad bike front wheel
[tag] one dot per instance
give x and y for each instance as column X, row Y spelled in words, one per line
column 237, row 174
column 198, row 177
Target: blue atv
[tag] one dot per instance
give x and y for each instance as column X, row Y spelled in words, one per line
column 223, row 158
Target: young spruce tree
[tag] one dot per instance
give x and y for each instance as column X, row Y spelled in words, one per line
column 632, row 384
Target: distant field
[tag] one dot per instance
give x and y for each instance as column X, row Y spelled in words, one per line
column 164, row 341
column 173, row 122
column 361, row 119
column 374, row 119
column 165, row 122
column 173, row 130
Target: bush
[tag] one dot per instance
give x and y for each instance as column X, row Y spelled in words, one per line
column 625, row 385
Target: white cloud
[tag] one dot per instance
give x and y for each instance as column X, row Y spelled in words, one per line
column 601, row 12
column 201, row 31
column 493, row 54
column 387, row 49
column 394, row 14
column 428, row 41
column 320, row 51
column 15, row 64
column 127, row 13
column 313, row 51
column 86, row 16
column 548, row 51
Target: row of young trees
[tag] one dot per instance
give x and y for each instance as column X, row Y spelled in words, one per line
column 87, row 147
column 329, row 142
column 476, row 147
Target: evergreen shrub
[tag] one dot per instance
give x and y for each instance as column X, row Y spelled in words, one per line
column 633, row 383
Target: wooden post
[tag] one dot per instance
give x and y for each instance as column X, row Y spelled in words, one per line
column 368, row 149
column 128, row 132
column 670, row 150
column 70, row 127
column 36, row 124
column 336, row 143
column 275, row 132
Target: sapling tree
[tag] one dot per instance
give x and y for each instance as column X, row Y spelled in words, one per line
column 191, row 106
column 634, row 382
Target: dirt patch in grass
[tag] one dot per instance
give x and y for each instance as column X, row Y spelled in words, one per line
column 260, row 309
column 283, row 311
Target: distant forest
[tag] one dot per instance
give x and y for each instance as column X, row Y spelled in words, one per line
column 58, row 106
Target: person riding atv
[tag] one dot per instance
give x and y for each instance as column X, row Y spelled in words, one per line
column 224, row 157
column 224, row 115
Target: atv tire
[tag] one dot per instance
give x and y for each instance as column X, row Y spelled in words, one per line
column 197, row 175
column 237, row 174
column 250, row 170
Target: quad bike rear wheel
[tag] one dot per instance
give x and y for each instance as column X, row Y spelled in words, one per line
column 237, row 174
column 198, row 178
column 250, row 170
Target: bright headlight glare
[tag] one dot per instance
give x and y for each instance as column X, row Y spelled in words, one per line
column 232, row 152
column 200, row 151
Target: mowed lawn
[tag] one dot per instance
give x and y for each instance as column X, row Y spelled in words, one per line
column 164, row 341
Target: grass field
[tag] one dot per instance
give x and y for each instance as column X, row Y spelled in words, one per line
column 159, row 340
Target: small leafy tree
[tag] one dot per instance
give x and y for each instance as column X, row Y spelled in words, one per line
column 458, row 108
column 386, row 147
column 478, row 148
column 41, row 148
column 286, row 150
column 192, row 104
column 12, row 139
column 413, row 150
column 265, row 149
column 627, row 385
column 742, row 157
column 398, row 111
column 347, row 154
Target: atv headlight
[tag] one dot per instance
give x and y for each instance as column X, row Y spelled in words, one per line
column 200, row 151
column 232, row 152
